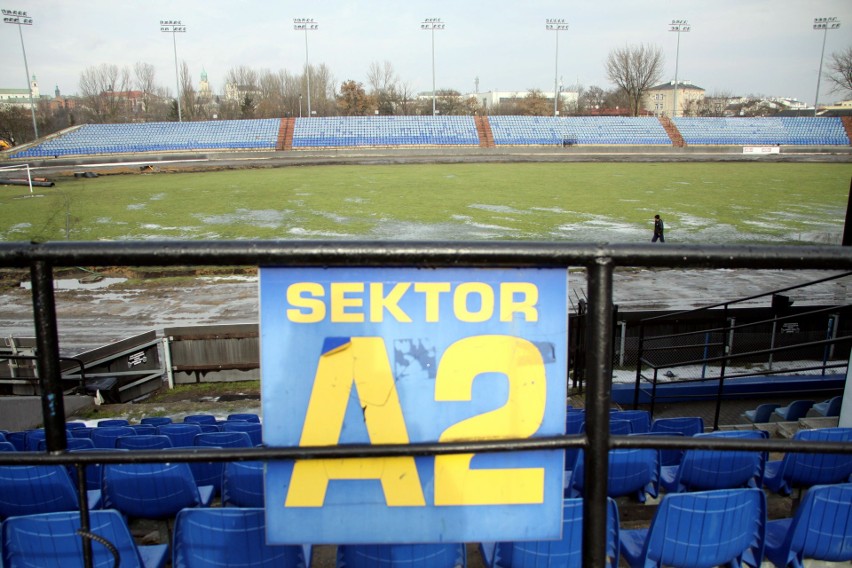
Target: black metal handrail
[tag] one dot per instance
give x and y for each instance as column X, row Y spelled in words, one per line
column 599, row 260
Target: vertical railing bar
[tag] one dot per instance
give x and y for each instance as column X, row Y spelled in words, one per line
column 85, row 525
column 47, row 351
column 598, row 397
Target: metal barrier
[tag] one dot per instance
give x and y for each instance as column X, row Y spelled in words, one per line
column 600, row 260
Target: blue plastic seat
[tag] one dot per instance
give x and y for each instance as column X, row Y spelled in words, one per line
column 804, row 470
column 213, row 538
column 566, row 552
column 106, row 436
column 821, row 528
column 634, row 472
column 716, row 469
column 242, row 484
column 830, row 407
column 32, row 489
column 113, row 422
column 156, row 420
column 640, row 420
column 144, row 429
column 7, row 447
column 253, row 429
column 153, row 490
column 200, row 419
column 574, row 421
column 444, row 555
column 51, row 539
column 223, row 439
column 761, row 414
column 701, row 530
column 677, row 426
column 181, row 435
column 144, row 442
column 795, row 410
column 244, row 416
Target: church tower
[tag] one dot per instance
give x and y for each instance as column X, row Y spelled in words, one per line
column 34, row 87
column 204, row 87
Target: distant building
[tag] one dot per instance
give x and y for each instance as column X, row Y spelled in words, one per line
column 21, row 97
column 238, row 93
column 660, row 99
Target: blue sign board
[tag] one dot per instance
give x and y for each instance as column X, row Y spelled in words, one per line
column 399, row 355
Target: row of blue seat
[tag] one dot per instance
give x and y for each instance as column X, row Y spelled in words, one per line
column 708, row 528
column 427, row 130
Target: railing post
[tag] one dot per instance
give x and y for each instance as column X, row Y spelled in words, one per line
column 640, row 348
column 47, row 346
column 598, row 397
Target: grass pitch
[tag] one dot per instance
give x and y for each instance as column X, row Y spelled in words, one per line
column 700, row 202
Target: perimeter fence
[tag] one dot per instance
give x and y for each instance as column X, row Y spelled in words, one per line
column 599, row 260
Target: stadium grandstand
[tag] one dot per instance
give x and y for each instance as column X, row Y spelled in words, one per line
column 437, row 131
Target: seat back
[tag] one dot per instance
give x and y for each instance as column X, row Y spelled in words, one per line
column 244, row 416
column 678, row 426
column 797, row 409
column 253, row 429
column 574, row 421
column 113, row 422
column 822, row 526
column 223, row 439
column 51, row 540
column 804, row 470
column 566, row 552
column 212, row 538
column 716, row 469
column 640, row 420
column 32, row 489
column 631, row 472
column 445, row 555
column 144, row 442
column 156, row 420
column 105, row 436
column 150, row 490
column 7, row 447
column 199, row 419
column 242, row 484
column 707, row 528
column 181, row 435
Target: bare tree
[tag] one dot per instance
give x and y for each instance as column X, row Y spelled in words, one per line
column 188, row 100
column 103, row 92
column 839, row 71
column 635, row 69
column 384, row 86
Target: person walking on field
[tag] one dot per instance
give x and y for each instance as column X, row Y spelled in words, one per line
column 658, row 230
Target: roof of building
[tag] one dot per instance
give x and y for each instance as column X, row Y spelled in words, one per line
column 669, row 85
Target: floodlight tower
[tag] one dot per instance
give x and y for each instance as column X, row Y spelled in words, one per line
column 556, row 25
column 174, row 27
column 677, row 26
column 22, row 18
column 823, row 24
column 432, row 24
column 306, row 25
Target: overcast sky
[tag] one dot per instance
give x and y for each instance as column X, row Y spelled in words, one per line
column 741, row 47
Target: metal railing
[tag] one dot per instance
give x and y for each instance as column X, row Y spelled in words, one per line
column 599, row 260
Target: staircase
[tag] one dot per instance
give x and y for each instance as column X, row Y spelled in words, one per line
column 285, row 134
column 673, row 132
column 847, row 126
column 483, row 128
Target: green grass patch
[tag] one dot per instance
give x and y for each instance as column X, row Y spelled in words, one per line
column 615, row 202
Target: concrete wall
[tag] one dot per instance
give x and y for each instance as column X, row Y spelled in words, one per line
column 24, row 412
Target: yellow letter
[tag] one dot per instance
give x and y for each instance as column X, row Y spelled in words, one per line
column 525, row 306
column 379, row 303
column 315, row 307
column 363, row 360
column 433, row 291
column 486, row 309
column 521, row 416
column 339, row 302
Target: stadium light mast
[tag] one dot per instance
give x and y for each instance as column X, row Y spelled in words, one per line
column 22, row 18
column 173, row 27
column 677, row 26
column 306, row 25
column 823, row 24
column 432, row 24
column 556, row 25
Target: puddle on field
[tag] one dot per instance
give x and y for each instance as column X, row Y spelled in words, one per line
column 80, row 284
